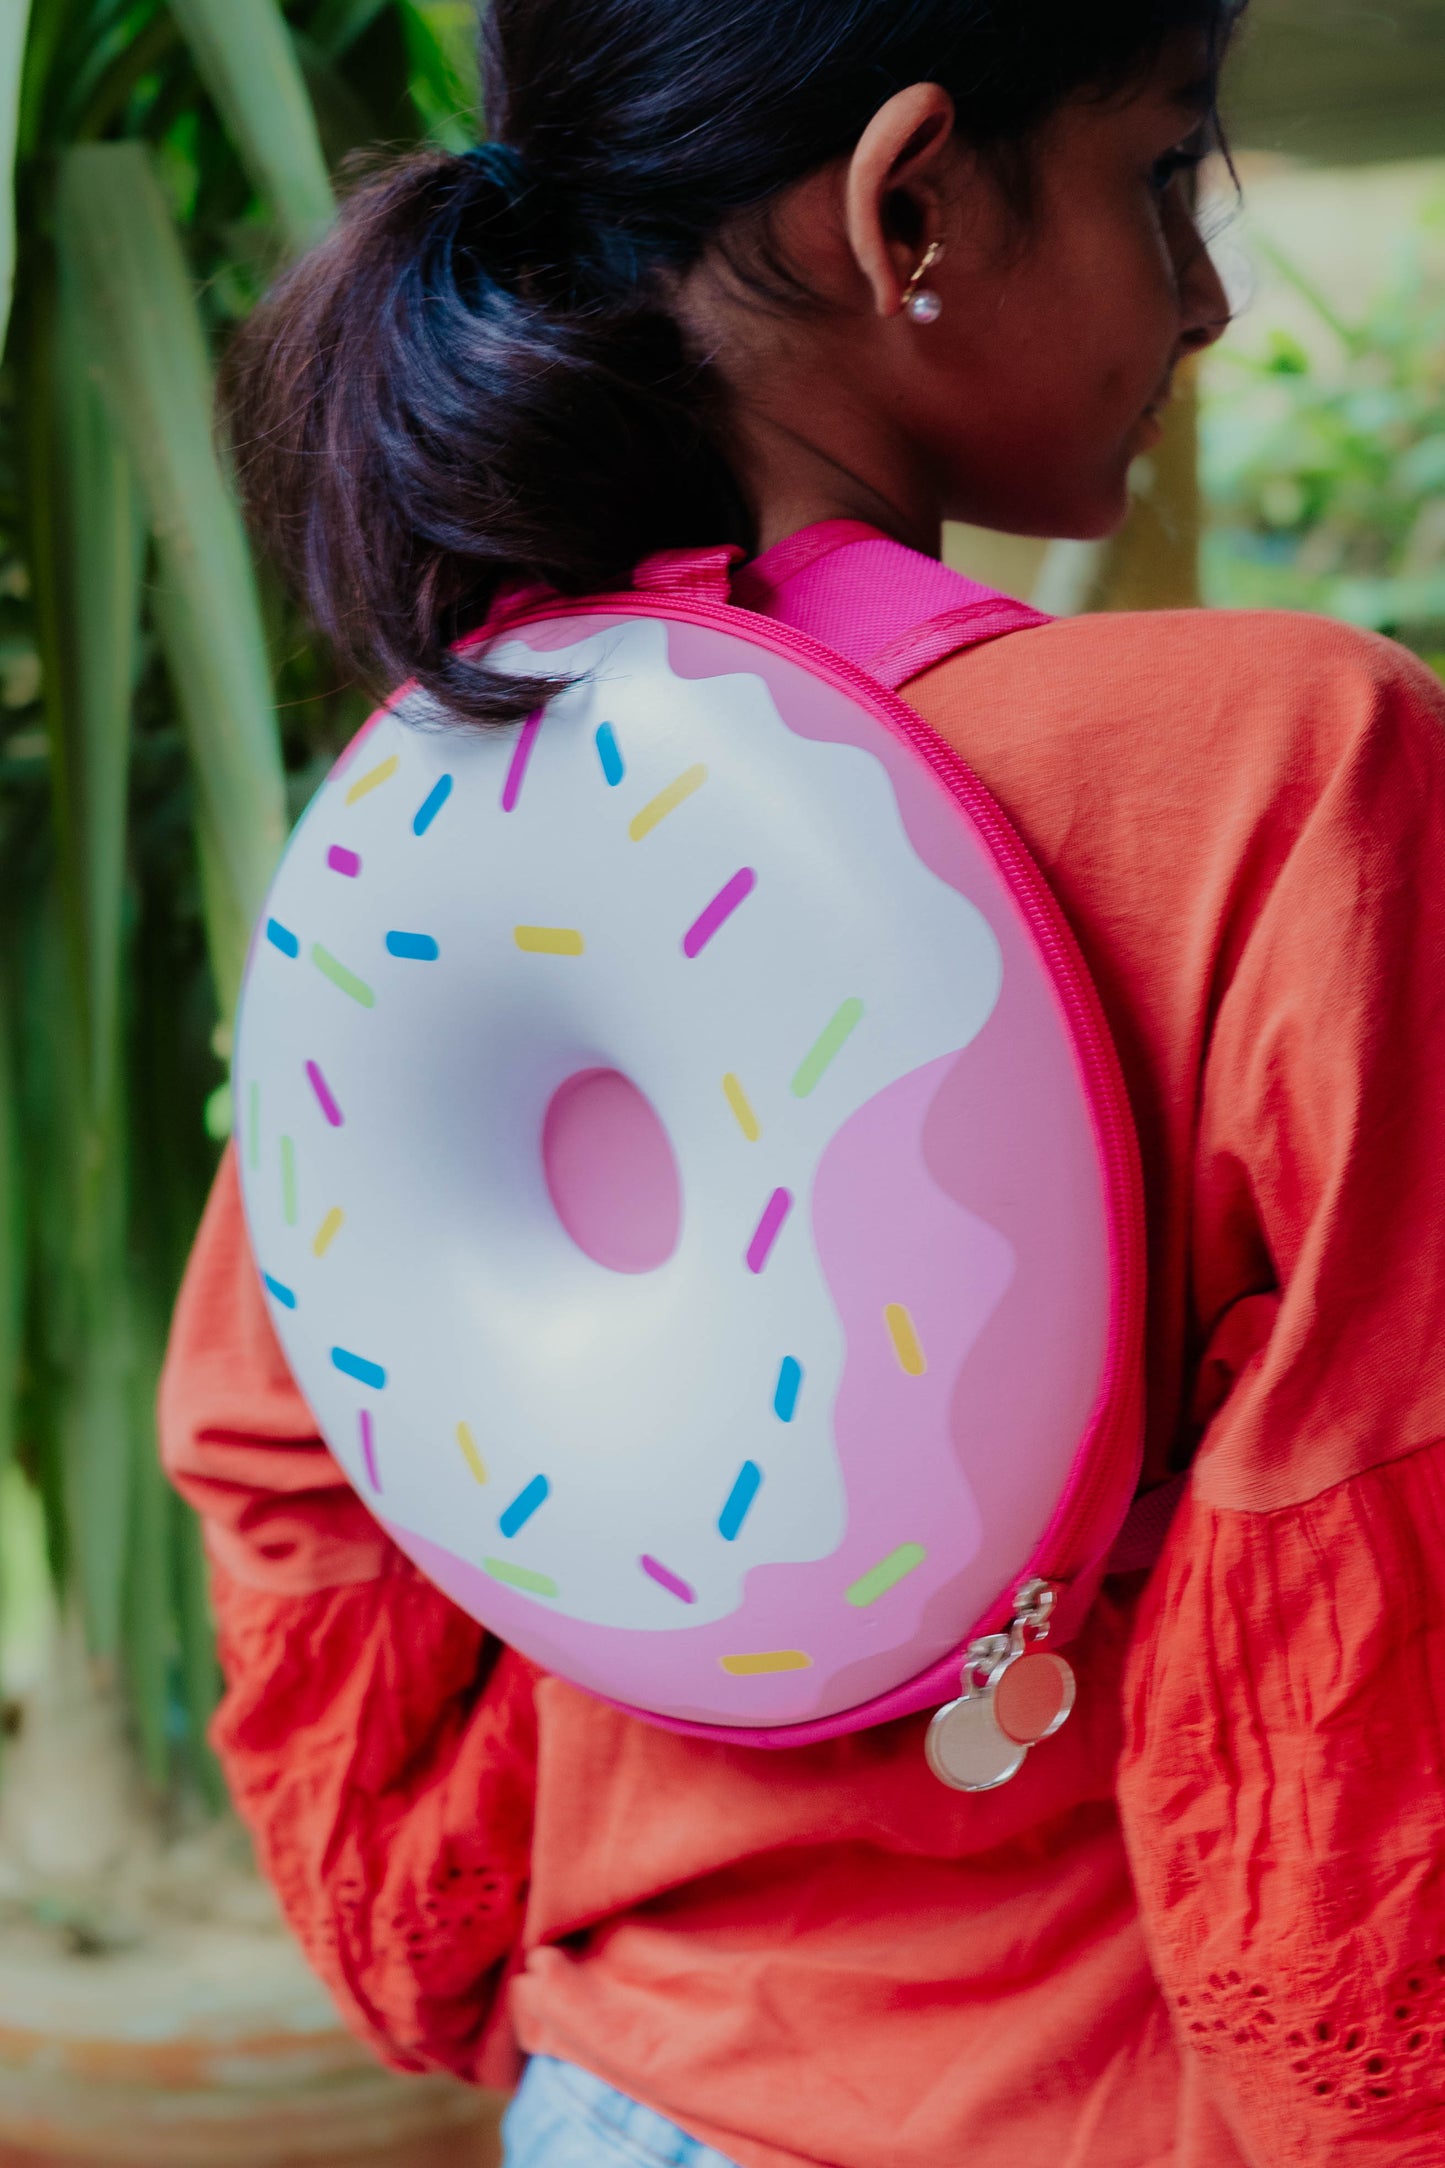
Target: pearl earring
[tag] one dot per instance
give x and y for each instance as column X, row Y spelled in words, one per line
column 921, row 303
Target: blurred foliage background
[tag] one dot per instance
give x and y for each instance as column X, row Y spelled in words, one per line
column 163, row 715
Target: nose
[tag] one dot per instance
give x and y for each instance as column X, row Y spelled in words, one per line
column 1203, row 301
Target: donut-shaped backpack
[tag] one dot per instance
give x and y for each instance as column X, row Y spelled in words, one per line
column 690, row 1173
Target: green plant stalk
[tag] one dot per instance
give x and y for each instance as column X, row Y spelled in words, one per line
column 12, row 1229
column 158, row 385
column 14, row 22
column 247, row 61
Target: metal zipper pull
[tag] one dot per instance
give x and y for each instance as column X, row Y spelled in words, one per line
column 1015, row 1694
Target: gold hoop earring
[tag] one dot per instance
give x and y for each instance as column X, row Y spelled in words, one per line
column 921, row 304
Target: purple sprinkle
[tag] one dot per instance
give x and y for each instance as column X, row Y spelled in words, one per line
column 669, row 1581
column 770, row 1226
column 324, row 1098
column 341, row 860
column 368, row 1447
column 719, row 911
column 517, row 773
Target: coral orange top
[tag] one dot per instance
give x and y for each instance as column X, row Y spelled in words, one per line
column 1206, row 1926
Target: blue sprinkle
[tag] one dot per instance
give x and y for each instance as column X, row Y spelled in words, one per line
column 431, row 805
column 610, row 755
column 283, row 1295
column 790, row 1382
column 356, row 1366
column 524, row 1505
column 740, row 1503
column 418, row 948
column 281, row 937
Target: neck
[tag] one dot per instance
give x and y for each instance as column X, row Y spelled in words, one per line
column 793, row 482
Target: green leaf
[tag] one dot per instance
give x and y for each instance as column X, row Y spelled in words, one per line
column 244, row 52
column 14, row 21
column 440, row 45
column 131, row 280
column 101, row 554
column 337, row 24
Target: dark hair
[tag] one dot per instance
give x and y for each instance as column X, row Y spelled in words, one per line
column 475, row 378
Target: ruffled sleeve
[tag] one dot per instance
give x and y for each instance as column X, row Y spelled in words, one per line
column 380, row 1746
column 1283, row 1783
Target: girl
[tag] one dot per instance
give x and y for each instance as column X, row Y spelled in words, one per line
column 676, row 301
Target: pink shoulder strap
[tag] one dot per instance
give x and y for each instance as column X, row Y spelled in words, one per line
column 891, row 610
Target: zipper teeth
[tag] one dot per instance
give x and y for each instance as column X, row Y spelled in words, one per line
column 1111, row 1443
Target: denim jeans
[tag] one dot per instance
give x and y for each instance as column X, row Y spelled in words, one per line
column 563, row 2117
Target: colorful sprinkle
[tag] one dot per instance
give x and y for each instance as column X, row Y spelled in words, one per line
column 770, row 1226
column 521, row 760
column 431, row 805
column 610, row 754
column 327, row 1232
column 253, row 1125
column 655, row 812
column 533, row 1584
column 524, row 1505
column 472, row 1457
column 373, row 780
column 893, row 1569
column 281, row 937
column 790, row 1384
column 740, row 1501
column 344, row 861
column 906, row 1344
column 756, row 1667
column 719, row 911
column 339, row 976
column 288, row 1182
column 416, row 948
column 672, row 1582
column 550, row 941
column 823, row 1055
column 368, row 1449
column 738, row 1100
column 324, row 1098
column 283, row 1294
column 357, row 1366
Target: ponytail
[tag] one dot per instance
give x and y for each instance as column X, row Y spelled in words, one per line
column 465, row 384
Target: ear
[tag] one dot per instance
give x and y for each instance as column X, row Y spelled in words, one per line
column 894, row 192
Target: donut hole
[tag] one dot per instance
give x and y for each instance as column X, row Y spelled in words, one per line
column 611, row 1172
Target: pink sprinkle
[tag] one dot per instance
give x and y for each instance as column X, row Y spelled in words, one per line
column 341, row 860
column 368, row 1448
column 719, row 911
column 324, row 1097
column 669, row 1581
column 517, row 773
column 770, row 1226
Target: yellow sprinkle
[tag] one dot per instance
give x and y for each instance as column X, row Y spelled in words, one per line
column 906, row 1343
column 550, row 941
column 753, row 1667
column 327, row 1232
column 748, row 1122
column 373, row 779
column 468, row 1445
column 667, row 801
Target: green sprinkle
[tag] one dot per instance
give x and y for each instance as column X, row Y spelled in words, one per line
column 253, row 1125
column 288, row 1182
column 535, row 1584
column 905, row 1560
column 827, row 1050
column 338, row 974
